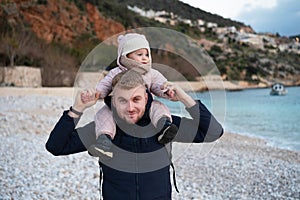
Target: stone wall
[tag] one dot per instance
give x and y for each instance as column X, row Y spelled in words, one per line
column 88, row 79
column 21, row 76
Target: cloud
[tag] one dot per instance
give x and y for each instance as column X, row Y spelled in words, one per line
column 282, row 18
column 275, row 16
column 257, row 4
column 232, row 9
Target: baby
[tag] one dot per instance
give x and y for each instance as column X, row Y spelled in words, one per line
column 133, row 54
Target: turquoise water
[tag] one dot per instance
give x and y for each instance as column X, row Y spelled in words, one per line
column 255, row 112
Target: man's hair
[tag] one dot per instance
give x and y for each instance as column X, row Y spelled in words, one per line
column 116, row 79
column 128, row 80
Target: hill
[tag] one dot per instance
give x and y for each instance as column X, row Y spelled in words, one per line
column 56, row 36
column 182, row 9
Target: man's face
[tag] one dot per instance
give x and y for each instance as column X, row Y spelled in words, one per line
column 130, row 104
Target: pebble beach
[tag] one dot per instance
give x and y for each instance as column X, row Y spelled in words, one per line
column 234, row 167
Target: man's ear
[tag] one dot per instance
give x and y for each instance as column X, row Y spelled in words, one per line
column 112, row 101
column 146, row 96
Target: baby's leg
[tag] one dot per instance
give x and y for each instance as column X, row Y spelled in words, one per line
column 159, row 113
column 161, row 118
column 105, row 131
column 104, row 122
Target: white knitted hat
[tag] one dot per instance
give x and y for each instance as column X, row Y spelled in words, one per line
column 131, row 42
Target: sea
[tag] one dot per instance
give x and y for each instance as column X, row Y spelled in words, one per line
column 255, row 113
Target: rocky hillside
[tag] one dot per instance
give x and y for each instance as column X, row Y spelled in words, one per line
column 60, row 21
column 57, row 35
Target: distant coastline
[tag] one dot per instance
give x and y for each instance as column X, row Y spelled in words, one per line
column 23, row 76
column 196, row 86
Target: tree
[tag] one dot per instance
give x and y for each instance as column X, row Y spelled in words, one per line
column 13, row 42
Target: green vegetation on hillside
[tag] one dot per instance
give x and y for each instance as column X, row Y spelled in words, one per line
column 58, row 59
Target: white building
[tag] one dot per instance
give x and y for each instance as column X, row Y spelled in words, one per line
column 200, row 22
column 226, row 30
column 186, row 21
column 211, row 25
column 149, row 13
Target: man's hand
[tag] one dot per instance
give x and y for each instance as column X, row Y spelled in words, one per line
column 84, row 99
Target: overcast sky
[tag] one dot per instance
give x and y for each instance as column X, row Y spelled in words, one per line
column 275, row 16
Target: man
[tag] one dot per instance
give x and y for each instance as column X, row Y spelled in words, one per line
column 140, row 165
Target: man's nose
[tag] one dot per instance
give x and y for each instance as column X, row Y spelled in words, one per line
column 129, row 105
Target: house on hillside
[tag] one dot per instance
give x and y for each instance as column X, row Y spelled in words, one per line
column 165, row 20
column 186, row 21
column 147, row 13
column 226, row 30
column 290, row 47
column 251, row 39
column 211, row 25
column 200, row 22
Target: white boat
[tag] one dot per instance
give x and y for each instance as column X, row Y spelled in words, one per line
column 278, row 89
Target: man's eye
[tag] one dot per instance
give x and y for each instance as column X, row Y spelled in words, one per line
column 136, row 100
column 122, row 101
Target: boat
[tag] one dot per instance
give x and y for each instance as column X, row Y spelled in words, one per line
column 278, row 89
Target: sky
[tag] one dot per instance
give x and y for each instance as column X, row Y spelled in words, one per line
column 272, row 16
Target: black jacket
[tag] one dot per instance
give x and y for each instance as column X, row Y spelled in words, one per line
column 140, row 167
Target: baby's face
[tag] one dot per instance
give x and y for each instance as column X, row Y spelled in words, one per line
column 140, row 55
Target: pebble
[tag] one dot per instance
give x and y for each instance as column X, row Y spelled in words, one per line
column 229, row 169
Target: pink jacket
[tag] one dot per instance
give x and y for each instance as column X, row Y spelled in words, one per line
column 153, row 79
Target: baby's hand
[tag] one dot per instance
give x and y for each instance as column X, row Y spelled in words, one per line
column 84, row 97
column 166, row 89
column 87, row 97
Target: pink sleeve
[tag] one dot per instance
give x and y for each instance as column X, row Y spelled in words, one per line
column 104, row 86
column 157, row 80
column 104, row 122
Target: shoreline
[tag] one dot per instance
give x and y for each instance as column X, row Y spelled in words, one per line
column 263, row 141
column 195, row 86
column 68, row 91
column 198, row 86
